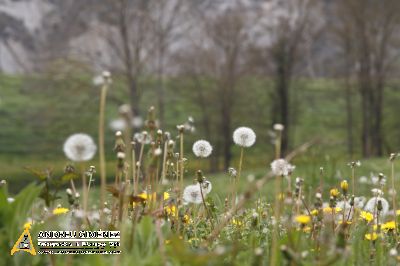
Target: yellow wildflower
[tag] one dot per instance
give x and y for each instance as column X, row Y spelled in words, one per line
column 166, row 195
column 145, row 196
column 153, row 196
column 303, row 219
column 391, row 225
column 170, row 210
column 314, row 212
column 367, row 216
column 329, row 210
column 372, row 236
column 237, row 222
column 58, row 211
column 186, row 219
column 334, row 192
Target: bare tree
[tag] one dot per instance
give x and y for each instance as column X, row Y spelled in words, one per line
column 168, row 27
column 285, row 27
column 220, row 65
column 368, row 35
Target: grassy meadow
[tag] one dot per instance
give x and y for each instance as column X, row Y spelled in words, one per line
column 257, row 216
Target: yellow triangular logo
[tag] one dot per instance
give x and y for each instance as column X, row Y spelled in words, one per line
column 24, row 243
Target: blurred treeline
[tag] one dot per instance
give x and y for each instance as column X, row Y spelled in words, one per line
column 324, row 69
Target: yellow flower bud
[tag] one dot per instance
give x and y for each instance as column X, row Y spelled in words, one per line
column 345, row 186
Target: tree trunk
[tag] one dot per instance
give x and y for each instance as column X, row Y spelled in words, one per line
column 134, row 96
column 282, row 92
column 349, row 112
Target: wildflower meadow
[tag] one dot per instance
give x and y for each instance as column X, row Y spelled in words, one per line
column 199, row 132
column 169, row 213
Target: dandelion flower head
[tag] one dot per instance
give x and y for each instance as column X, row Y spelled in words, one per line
column 280, row 167
column 303, row 219
column 59, row 210
column 192, row 194
column 80, row 147
column 202, row 148
column 372, row 205
column 244, row 137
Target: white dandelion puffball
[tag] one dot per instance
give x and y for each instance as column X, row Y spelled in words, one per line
column 192, row 194
column 359, row 202
column 207, row 187
column 279, row 127
column 79, row 147
column 118, row 124
column 98, row 80
column 142, row 138
column 202, row 148
column 244, row 137
column 281, row 167
column 372, row 205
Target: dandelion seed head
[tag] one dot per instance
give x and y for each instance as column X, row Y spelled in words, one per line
column 393, row 252
column 124, row 109
column 354, row 164
column 377, row 192
column 137, row 122
column 157, row 152
column 202, row 148
column 363, row 180
column 232, row 172
column 279, row 127
column 80, row 147
column 192, row 194
column 372, row 205
column 359, row 202
column 102, row 79
column 244, row 137
column 207, row 187
column 280, row 167
column 142, row 138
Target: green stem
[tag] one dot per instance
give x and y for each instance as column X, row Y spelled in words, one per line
column 102, row 155
column 394, row 200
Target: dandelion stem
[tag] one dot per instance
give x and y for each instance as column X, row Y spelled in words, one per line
column 102, row 152
column 73, row 186
column 164, row 163
column 394, row 199
column 135, row 182
column 352, row 179
column 205, row 206
column 237, row 178
column 139, row 164
column 181, row 164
